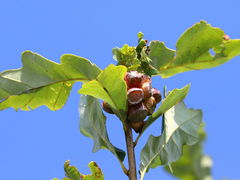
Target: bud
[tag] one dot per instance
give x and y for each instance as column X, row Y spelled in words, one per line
column 226, row 37
column 150, row 104
column 135, row 95
column 133, row 79
column 137, row 112
column 137, row 126
column 157, row 95
column 107, row 108
column 147, row 89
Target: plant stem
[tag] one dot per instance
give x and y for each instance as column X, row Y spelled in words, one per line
column 130, row 152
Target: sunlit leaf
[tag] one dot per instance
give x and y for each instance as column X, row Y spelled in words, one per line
column 194, row 51
column 43, row 82
column 160, row 55
column 126, row 56
column 110, row 87
column 72, row 172
column 180, row 127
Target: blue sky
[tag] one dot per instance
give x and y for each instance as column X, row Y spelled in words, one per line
column 35, row 144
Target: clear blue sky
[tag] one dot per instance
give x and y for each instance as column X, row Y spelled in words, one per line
column 35, row 144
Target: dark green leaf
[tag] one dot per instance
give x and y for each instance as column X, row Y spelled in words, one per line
column 43, row 82
column 110, row 87
column 180, row 127
column 93, row 125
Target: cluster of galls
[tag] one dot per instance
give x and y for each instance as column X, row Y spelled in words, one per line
column 142, row 99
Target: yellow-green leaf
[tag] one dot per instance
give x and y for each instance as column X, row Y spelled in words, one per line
column 110, row 87
column 43, row 82
column 193, row 51
column 72, row 172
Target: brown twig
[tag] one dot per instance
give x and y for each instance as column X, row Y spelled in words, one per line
column 130, row 152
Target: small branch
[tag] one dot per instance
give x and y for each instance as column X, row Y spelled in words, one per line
column 130, row 152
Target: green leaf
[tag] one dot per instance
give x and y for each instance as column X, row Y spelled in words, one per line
column 193, row 165
column 93, row 125
column 173, row 97
column 180, row 127
column 140, row 35
column 160, row 54
column 96, row 172
column 146, row 66
column 193, row 51
column 196, row 41
column 126, row 56
column 72, row 172
column 171, row 100
column 110, row 87
column 43, row 82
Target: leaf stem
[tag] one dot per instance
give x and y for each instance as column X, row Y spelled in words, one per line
column 130, row 151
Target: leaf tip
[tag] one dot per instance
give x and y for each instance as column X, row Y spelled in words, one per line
column 203, row 22
column 186, row 88
column 27, row 52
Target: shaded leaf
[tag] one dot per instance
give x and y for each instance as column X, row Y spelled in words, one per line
column 43, row 82
column 180, row 127
column 193, row 51
column 193, row 164
column 171, row 100
column 110, row 87
column 93, row 125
